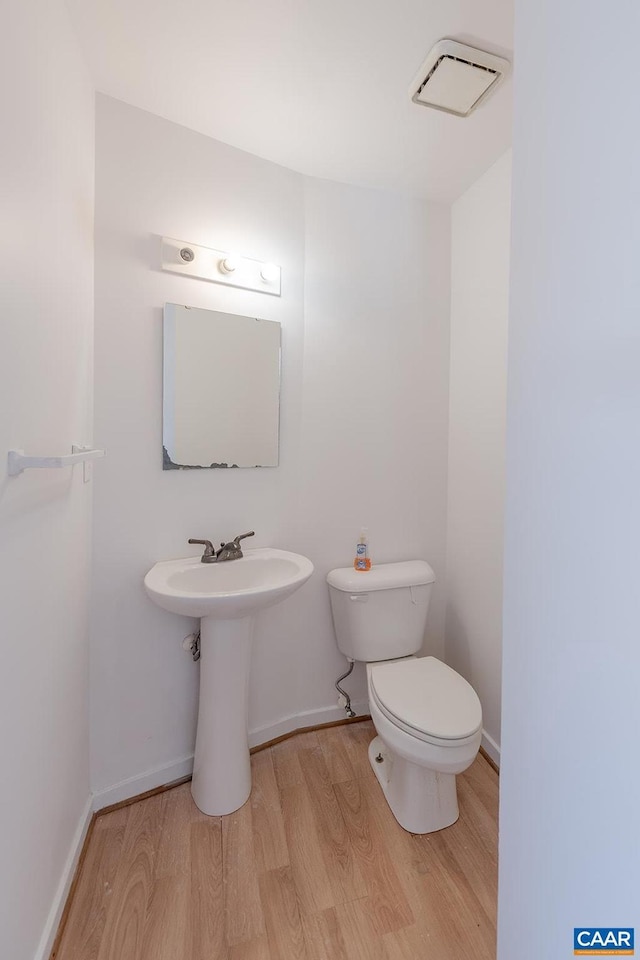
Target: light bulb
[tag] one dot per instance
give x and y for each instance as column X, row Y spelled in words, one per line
column 228, row 265
column 269, row 273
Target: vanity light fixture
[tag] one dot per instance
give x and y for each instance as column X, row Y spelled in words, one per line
column 219, row 266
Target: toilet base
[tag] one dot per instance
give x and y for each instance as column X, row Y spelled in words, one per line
column 421, row 800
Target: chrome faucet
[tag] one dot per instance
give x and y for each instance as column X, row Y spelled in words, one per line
column 227, row 551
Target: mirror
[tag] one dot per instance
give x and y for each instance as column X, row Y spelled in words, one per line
column 221, row 390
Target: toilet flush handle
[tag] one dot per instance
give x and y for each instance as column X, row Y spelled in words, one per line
column 359, row 597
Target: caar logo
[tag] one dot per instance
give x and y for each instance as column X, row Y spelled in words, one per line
column 603, row 941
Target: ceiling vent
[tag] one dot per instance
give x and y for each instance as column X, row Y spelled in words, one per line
column 457, row 78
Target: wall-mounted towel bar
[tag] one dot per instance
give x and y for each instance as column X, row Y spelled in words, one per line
column 17, row 462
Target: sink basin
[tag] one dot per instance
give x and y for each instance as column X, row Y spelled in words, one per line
column 225, row 591
column 226, row 597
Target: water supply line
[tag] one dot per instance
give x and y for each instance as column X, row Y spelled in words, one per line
column 344, row 699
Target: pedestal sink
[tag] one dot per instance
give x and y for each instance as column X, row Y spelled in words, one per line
column 226, row 596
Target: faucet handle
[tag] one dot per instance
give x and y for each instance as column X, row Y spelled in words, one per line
column 209, row 550
column 243, row 536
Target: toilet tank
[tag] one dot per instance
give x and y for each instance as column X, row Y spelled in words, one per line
column 380, row 614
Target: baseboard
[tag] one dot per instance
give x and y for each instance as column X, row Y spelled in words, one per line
column 64, row 886
column 296, row 721
column 134, row 786
column 491, row 748
column 177, row 770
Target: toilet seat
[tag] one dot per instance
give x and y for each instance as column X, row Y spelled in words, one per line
column 427, row 699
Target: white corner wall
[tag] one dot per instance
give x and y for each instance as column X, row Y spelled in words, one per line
column 477, row 422
column 570, row 783
column 46, row 172
column 363, row 429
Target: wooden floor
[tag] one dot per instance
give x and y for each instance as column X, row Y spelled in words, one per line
column 312, row 867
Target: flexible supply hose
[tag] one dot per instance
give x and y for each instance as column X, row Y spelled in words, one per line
column 343, row 693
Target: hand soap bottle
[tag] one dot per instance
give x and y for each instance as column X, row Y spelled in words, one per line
column 362, row 561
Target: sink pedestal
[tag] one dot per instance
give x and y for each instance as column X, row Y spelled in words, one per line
column 221, row 771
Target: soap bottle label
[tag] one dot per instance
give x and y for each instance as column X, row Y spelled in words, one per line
column 362, row 561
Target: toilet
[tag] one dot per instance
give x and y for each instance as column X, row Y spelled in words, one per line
column 427, row 717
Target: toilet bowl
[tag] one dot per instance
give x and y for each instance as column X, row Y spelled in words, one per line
column 428, row 719
column 429, row 725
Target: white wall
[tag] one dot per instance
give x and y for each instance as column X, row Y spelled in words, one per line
column 570, row 831
column 351, row 452
column 374, row 435
column 46, row 171
column 477, row 418
column 155, row 178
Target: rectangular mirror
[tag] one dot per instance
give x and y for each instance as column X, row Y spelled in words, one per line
column 221, row 390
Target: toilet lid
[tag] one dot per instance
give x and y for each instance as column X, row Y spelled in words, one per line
column 428, row 696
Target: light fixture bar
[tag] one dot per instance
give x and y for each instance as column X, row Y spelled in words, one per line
column 220, row 266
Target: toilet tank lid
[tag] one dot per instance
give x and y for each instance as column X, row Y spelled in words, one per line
column 381, row 576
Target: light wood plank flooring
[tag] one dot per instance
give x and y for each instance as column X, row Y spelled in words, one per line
column 313, row 867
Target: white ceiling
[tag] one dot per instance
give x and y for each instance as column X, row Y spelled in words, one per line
column 319, row 86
